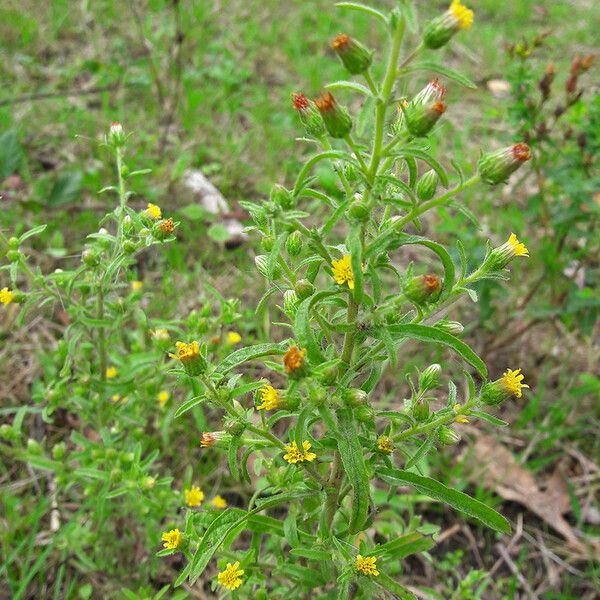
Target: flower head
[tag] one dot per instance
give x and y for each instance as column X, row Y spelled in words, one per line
column 136, row 286
column 171, row 539
column 300, row 102
column 512, row 381
column 293, row 359
column 294, row 455
column 510, row 384
column 6, row 296
column 496, row 167
column 499, row 257
column 422, row 288
column 459, row 418
column 426, row 108
column 194, row 496
column 385, row 444
column 111, row 372
column 354, row 56
column 309, row 115
column 219, row 502
column 163, row 397
column 440, row 30
column 153, row 211
column 233, row 337
column 189, row 354
column 116, row 135
column 342, row 271
column 231, row 577
column 270, row 397
column 167, row 226
column 367, row 565
column 161, row 334
column 462, row 14
column 210, row 438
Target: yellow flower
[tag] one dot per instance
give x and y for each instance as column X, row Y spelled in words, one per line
column 163, row 397
column 194, row 496
column 271, row 399
column 294, row 455
column 111, row 372
column 219, row 502
column 462, row 14
column 511, row 380
column 6, row 296
column 233, row 337
column 293, row 359
column 385, row 444
column 153, row 211
column 115, row 398
column 136, row 286
column 342, row 271
column 191, row 359
column 171, row 539
column 459, row 418
column 367, row 565
column 231, row 577
column 517, row 248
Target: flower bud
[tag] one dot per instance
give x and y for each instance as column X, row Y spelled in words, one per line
column 129, row 247
column 190, row 357
column 116, row 135
column 420, row 410
column 447, row 436
column 13, row 256
column 304, row 289
column 499, row 257
column 290, row 303
column 510, row 384
column 13, row 243
column 430, row 377
column 294, row 243
column 422, row 289
column 364, row 414
column 219, row 439
column 451, row 327
column 385, row 444
column 234, row 427
column 337, row 119
column 309, row 115
column 329, row 376
column 58, row 451
column 355, row 397
column 7, row 433
column 33, row 447
column 163, row 229
column 427, row 185
column 425, row 109
column 267, row 243
column 440, row 30
column 358, row 211
column 354, row 56
column 282, row 197
column 496, row 167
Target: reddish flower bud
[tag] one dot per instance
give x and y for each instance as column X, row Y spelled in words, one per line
column 337, row 119
column 496, row 167
column 425, row 109
column 354, row 56
column 309, row 115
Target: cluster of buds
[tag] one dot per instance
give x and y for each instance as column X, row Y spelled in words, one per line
column 309, row 115
column 425, row 109
column 440, row 30
column 496, row 167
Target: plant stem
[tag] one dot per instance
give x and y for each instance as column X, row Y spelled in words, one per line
column 334, row 484
column 122, row 199
column 350, row 335
column 101, row 334
column 326, row 144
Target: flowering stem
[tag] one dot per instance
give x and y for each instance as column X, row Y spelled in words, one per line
column 350, row 335
column 101, row 334
column 122, row 198
column 333, row 492
column 371, row 83
column 356, row 151
column 326, row 144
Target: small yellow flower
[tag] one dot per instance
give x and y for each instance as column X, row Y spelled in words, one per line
column 163, row 398
column 271, row 398
column 294, row 455
column 367, row 565
column 459, row 417
column 111, row 372
column 115, row 398
column 219, row 502
column 153, row 211
column 194, row 496
column 171, row 539
column 293, row 359
column 342, row 271
column 136, row 286
column 191, row 359
column 385, row 444
column 161, row 334
column 517, row 248
column 512, row 382
column 233, row 337
column 6, row 296
column 462, row 14
column 231, row 577
column 148, row 483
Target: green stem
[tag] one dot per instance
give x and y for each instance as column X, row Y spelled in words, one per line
column 371, row 83
column 350, row 335
column 334, row 485
column 101, row 333
column 122, row 200
column 326, row 144
column 356, row 151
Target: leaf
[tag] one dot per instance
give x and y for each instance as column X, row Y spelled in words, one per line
column 317, row 555
column 372, row 12
column 404, row 546
column 275, row 254
column 250, row 353
column 350, row 85
column 299, row 436
column 303, row 329
column 422, row 451
column 489, row 418
column 218, row 232
column 400, row 591
column 11, row 153
column 352, row 455
column 425, row 157
column 31, row 232
column 66, row 189
column 232, row 455
column 457, row 500
column 426, row 333
column 331, row 154
column 442, row 70
column 189, row 404
column 355, row 248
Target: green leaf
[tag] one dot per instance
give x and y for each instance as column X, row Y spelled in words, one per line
column 425, row 157
column 422, row 451
column 299, row 433
column 218, row 232
column 404, row 546
column 303, row 329
column 250, row 353
column 11, row 153
column 355, row 247
column 317, row 555
column 431, row 334
column 489, row 418
column 350, row 85
column 66, row 188
column 31, row 232
column 189, row 404
column 372, row 12
column 388, row 583
column 442, row 70
column 275, row 253
column 331, row 154
column 232, row 456
column 352, row 455
column 457, row 500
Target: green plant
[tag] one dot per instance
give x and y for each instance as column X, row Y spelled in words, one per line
column 328, row 451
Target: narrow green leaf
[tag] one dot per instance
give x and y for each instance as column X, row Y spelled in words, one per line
column 250, row 353
column 189, row 404
column 299, row 433
column 388, row 583
column 318, row 555
column 489, row 418
column 457, row 500
column 422, row 451
column 331, row 154
column 425, row 157
column 232, row 456
column 303, row 329
column 365, row 9
column 404, row 546
column 350, row 85
column 440, row 69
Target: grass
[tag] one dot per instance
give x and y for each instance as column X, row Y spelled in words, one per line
column 219, row 101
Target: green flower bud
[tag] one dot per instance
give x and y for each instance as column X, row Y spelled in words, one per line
column 309, row 115
column 129, row 247
column 116, row 135
column 13, row 255
column 304, row 289
column 337, row 119
column 13, row 243
column 282, row 197
column 261, row 262
column 422, row 289
column 90, row 257
column 355, row 397
column 58, row 451
column 33, row 447
column 425, row 109
column 451, row 327
column 290, row 303
column 447, row 436
column 439, row 31
column 364, row 414
column 496, row 167
column 234, row 427
column 430, row 377
column 427, row 185
column 267, row 243
column 329, row 376
column 358, row 211
column 354, row 56
column 6, row 432
column 420, row 410
column 294, row 243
